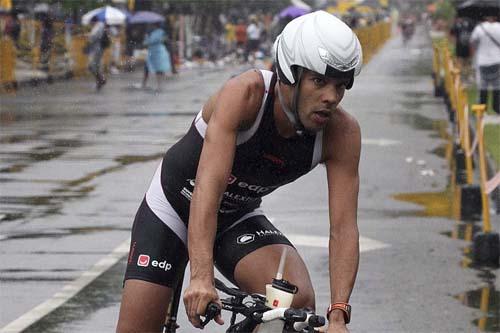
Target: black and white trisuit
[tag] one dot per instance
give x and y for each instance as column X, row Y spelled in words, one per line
column 263, row 161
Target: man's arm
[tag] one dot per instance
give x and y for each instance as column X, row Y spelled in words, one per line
column 342, row 153
column 233, row 105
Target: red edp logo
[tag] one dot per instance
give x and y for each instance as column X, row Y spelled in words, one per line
column 143, row 260
column 276, row 302
column 232, row 179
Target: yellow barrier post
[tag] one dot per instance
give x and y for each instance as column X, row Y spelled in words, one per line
column 486, row 245
column 479, row 109
column 466, row 135
column 7, row 64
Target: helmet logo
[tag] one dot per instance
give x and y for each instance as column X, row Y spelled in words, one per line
column 334, row 62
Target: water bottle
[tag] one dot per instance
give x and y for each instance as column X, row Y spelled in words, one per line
column 279, row 294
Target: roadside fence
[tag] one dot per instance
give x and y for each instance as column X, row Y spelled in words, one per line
column 473, row 188
column 21, row 63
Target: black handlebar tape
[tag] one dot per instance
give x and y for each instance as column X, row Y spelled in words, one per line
column 295, row 315
column 213, row 309
column 316, row 321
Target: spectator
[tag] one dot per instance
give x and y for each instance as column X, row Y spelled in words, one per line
column 253, row 38
column 158, row 60
column 46, row 41
column 461, row 31
column 230, row 36
column 98, row 41
column 485, row 46
column 13, row 28
column 115, row 49
column 241, row 38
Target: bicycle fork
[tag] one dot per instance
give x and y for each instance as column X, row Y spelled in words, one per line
column 171, row 325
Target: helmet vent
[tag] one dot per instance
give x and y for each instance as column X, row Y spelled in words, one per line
column 332, row 61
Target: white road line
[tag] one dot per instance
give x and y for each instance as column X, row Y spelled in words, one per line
column 365, row 244
column 67, row 291
column 380, row 142
column 71, row 289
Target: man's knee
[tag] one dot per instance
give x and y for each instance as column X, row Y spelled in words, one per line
column 304, row 299
column 143, row 307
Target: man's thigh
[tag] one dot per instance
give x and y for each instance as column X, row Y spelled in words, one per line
column 249, row 253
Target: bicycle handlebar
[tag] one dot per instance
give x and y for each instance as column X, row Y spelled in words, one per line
column 255, row 312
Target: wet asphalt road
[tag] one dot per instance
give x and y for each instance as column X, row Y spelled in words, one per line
column 75, row 164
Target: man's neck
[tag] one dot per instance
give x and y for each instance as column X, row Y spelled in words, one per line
column 283, row 124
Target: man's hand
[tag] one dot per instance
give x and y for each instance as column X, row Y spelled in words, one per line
column 336, row 323
column 334, row 327
column 337, row 327
column 196, row 298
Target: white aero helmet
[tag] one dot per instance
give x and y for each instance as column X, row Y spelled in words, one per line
column 319, row 42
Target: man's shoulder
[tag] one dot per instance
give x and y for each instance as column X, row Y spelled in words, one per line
column 343, row 121
column 342, row 136
column 252, row 79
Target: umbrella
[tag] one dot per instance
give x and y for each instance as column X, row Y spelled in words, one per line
column 108, row 14
column 477, row 9
column 145, row 17
column 293, row 12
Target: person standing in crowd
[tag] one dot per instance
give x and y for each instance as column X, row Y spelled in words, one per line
column 115, row 49
column 46, row 42
column 158, row 59
column 169, row 44
column 241, row 38
column 230, row 36
column 253, row 38
column 485, row 46
column 461, row 31
column 13, row 28
column 98, row 41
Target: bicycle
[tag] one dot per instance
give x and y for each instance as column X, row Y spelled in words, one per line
column 254, row 309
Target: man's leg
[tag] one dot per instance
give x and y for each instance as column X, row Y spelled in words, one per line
column 483, row 96
column 496, row 101
column 144, row 307
column 258, row 268
column 155, row 266
column 249, row 253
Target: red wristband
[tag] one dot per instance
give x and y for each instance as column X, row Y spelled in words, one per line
column 344, row 307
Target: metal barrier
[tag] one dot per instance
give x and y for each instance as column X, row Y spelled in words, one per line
column 7, row 64
column 372, row 38
column 473, row 198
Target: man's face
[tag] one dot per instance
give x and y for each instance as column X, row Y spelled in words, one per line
column 319, row 97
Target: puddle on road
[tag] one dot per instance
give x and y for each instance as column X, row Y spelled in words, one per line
column 70, row 190
column 435, row 204
column 442, row 204
column 52, row 150
column 62, row 232
column 14, row 168
column 420, row 122
column 17, row 138
column 487, row 300
column 8, row 119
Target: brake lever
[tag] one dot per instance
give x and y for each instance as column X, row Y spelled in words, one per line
column 213, row 310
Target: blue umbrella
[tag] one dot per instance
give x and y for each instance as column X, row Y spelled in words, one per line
column 109, row 15
column 293, row 12
column 145, row 17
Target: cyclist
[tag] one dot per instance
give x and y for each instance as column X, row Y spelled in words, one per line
column 258, row 132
